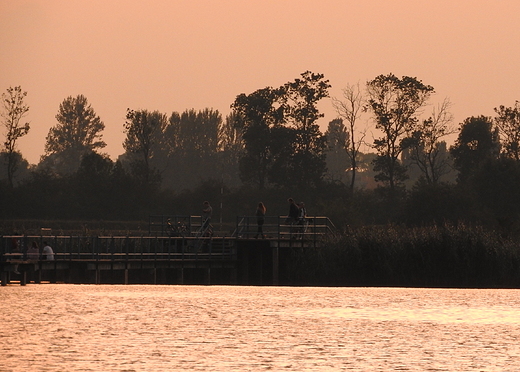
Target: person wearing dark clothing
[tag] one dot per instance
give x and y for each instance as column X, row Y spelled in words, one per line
column 302, row 219
column 260, row 218
column 207, row 211
column 294, row 211
column 292, row 218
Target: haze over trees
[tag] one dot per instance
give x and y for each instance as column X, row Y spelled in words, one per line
column 270, row 147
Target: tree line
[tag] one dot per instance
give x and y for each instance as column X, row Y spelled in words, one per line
column 268, row 148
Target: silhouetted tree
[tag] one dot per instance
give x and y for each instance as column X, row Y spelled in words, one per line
column 194, row 147
column 92, row 183
column 338, row 162
column 14, row 109
column 350, row 110
column 144, row 138
column 77, row 133
column 508, row 124
column 258, row 113
column 425, row 148
column 477, row 143
column 496, row 188
column 231, row 148
column 395, row 103
column 300, row 104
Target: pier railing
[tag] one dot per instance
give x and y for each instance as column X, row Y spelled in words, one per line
column 280, row 227
column 120, row 247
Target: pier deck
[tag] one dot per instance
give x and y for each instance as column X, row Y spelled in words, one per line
column 239, row 258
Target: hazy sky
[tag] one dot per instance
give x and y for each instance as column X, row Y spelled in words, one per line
column 173, row 55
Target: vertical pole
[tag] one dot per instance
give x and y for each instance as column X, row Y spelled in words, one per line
column 4, row 278
column 38, row 275
column 275, row 266
column 97, row 275
column 23, row 278
column 126, row 275
column 54, row 274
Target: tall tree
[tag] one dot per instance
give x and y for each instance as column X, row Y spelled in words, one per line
column 476, row 144
column 395, row 103
column 193, row 139
column 14, row 109
column 258, row 113
column 231, row 148
column 300, row 102
column 508, row 124
column 144, row 137
column 425, row 145
column 350, row 109
column 338, row 161
column 78, row 133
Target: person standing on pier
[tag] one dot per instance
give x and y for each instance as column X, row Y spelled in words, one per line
column 294, row 214
column 47, row 252
column 302, row 219
column 260, row 218
column 207, row 211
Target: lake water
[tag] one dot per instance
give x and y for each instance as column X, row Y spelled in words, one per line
column 61, row 327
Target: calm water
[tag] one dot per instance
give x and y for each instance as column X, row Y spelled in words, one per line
column 163, row 328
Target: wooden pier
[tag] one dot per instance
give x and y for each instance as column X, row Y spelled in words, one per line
column 165, row 258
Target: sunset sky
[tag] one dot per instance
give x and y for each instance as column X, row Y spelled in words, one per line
column 172, row 55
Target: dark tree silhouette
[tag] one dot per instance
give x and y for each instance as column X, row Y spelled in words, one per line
column 77, row 133
column 508, row 124
column 395, row 103
column 14, row 109
column 477, row 143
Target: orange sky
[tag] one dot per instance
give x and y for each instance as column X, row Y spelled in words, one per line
column 172, row 55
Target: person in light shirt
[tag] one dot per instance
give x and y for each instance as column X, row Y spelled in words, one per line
column 47, row 252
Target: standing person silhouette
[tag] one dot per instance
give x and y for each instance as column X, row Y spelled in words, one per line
column 294, row 214
column 302, row 219
column 260, row 219
column 206, row 217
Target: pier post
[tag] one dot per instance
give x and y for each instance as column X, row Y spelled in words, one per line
column 180, row 276
column 23, row 278
column 4, row 278
column 125, row 276
column 38, row 273
column 275, row 266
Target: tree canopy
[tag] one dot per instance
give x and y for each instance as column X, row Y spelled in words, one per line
column 77, row 133
column 394, row 103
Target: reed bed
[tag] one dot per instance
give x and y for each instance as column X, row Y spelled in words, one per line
column 435, row 256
